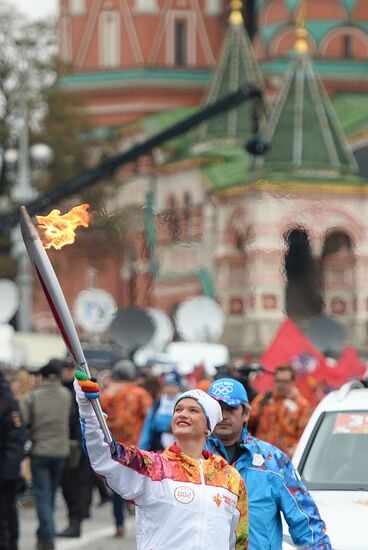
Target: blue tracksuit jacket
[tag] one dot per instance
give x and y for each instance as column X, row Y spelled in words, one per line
column 274, row 486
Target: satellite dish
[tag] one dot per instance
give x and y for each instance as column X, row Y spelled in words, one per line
column 132, row 328
column 9, row 300
column 200, row 319
column 94, row 310
column 326, row 334
column 163, row 330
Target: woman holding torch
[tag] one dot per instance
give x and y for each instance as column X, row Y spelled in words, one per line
column 185, row 496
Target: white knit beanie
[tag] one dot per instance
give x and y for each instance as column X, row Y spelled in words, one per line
column 210, row 406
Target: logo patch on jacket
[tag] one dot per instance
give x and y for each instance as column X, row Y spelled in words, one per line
column 230, row 503
column 16, row 419
column 184, row 495
column 217, row 499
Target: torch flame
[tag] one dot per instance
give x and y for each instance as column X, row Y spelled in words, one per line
column 57, row 230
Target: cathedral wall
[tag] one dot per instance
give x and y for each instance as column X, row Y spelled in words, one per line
column 252, row 285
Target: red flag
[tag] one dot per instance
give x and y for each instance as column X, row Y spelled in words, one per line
column 349, row 366
column 291, row 347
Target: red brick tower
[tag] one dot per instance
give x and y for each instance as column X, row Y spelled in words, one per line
column 130, row 58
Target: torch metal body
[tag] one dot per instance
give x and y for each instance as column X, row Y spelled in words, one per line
column 58, row 304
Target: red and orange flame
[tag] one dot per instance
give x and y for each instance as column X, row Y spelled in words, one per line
column 57, row 230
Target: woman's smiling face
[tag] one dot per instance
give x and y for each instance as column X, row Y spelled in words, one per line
column 189, row 419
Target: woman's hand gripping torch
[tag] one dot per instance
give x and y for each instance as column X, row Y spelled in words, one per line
column 58, row 305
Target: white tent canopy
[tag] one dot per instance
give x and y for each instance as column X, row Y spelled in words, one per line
column 33, row 350
column 185, row 356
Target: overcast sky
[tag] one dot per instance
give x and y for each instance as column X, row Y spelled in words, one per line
column 36, row 8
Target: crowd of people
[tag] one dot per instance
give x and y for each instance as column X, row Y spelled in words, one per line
column 169, row 439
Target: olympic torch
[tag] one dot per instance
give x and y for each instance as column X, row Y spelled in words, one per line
column 57, row 303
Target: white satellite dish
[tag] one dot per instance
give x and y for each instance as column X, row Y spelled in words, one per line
column 163, row 329
column 200, row 319
column 9, row 300
column 94, row 310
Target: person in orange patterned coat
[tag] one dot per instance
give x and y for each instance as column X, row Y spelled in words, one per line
column 126, row 405
column 280, row 416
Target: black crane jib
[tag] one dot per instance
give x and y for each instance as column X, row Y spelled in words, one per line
column 108, row 167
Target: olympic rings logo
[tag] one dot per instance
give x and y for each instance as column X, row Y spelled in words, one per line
column 222, row 389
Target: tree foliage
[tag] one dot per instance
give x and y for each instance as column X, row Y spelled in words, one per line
column 29, row 69
column 27, row 51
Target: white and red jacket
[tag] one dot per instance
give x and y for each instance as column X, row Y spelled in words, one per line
column 182, row 503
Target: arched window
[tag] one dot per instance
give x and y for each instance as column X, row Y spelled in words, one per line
column 284, row 41
column 345, row 42
column 274, row 12
column 303, row 293
column 109, row 34
column 347, row 48
column 181, row 37
column 338, row 264
column 180, row 43
column 337, row 242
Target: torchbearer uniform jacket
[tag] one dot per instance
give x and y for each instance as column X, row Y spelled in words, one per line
column 182, row 503
column 274, row 487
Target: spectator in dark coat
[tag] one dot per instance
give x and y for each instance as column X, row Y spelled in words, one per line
column 12, row 440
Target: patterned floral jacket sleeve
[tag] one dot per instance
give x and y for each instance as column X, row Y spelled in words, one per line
column 242, row 530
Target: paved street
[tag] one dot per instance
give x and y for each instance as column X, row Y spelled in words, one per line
column 97, row 532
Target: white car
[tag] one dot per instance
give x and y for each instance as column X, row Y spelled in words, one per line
column 332, row 459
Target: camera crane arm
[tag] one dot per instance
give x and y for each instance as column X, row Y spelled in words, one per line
column 109, row 167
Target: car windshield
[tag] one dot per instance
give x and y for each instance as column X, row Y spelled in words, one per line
column 337, row 457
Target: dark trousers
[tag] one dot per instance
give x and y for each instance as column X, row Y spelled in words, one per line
column 46, row 475
column 99, row 482
column 77, row 485
column 8, row 520
column 118, row 506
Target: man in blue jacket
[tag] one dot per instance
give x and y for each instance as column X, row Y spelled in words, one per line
column 274, row 487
